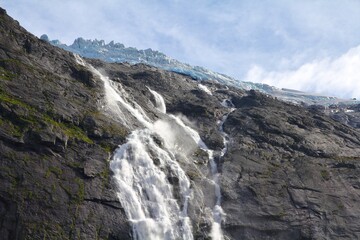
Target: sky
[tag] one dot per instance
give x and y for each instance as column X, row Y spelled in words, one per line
column 308, row 45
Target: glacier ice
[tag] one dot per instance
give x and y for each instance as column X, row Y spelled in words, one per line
column 117, row 52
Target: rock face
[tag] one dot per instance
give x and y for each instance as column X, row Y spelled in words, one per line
column 54, row 145
column 289, row 172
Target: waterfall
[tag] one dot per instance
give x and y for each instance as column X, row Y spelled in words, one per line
column 218, row 212
column 228, row 104
column 160, row 103
column 204, row 88
column 141, row 168
column 145, row 192
column 143, row 164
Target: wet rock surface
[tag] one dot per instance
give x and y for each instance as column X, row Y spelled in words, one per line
column 289, row 173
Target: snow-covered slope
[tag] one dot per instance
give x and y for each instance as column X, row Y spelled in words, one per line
column 117, row 52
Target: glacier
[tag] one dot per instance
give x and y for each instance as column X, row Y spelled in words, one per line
column 117, row 52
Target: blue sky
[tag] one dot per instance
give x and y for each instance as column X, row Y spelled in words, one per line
column 310, row 45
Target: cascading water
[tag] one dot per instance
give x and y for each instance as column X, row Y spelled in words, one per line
column 228, row 104
column 160, row 103
column 204, row 88
column 141, row 168
column 145, row 192
column 218, row 212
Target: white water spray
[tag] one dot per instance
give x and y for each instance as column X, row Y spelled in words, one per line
column 218, row 213
column 141, row 168
column 145, row 192
column 117, row 100
column 159, row 100
column 205, row 89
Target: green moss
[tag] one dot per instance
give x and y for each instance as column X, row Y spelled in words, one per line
column 45, row 230
column 26, row 158
column 16, row 125
column 14, row 101
column 106, row 126
column 6, row 170
column 76, row 132
column 13, row 61
column 53, row 187
column 18, row 64
column 117, row 130
column 12, row 155
column 70, row 130
column 107, row 147
column 105, row 174
column 47, row 174
column 55, row 170
column 343, row 159
column 81, row 190
column 33, row 117
column 6, row 75
column 15, row 182
column 45, row 158
column 74, row 165
column 13, row 130
column 29, row 194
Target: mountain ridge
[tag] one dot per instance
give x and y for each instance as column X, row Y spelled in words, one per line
column 117, row 52
column 344, row 110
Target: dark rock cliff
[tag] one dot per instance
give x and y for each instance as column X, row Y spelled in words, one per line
column 289, row 173
column 55, row 179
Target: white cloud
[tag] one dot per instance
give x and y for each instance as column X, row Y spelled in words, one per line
column 329, row 76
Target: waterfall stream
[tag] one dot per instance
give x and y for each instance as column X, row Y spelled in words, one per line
column 142, row 167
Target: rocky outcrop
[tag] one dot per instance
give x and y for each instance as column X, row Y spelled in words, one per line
column 349, row 115
column 289, row 172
